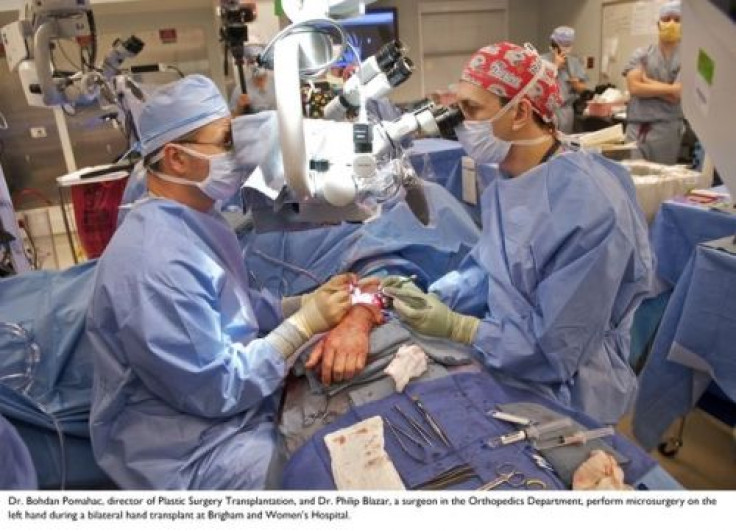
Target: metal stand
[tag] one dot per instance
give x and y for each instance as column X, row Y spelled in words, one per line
column 671, row 446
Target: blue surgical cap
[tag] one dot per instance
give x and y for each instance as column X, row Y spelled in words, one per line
column 563, row 35
column 178, row 108
column 670, row 9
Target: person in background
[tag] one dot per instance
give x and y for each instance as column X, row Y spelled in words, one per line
column 261, row 94
column 189, row 358
column 654, row 115
column 571, row 75
column 548, row 294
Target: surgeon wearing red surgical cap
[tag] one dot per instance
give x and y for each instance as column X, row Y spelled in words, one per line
column 547, row 296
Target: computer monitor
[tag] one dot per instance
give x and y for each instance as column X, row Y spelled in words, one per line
column 367, row 33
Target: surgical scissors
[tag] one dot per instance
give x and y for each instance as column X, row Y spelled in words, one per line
column 508, row 474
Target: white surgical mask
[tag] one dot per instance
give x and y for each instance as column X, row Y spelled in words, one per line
column 478, row 139
column 223, row 180
column 479, row 142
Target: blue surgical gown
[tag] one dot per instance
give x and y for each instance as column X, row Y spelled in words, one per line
column 562, row 263
column 16, row 468
column 184, row 393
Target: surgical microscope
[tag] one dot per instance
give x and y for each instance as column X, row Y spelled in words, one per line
column 330, row 170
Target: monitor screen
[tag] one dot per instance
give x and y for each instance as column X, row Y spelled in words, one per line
column 368, row 33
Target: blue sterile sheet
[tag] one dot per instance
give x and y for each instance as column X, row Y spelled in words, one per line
column 46, row 372
column 678, row 228
column 693, row 347
column 459, row 403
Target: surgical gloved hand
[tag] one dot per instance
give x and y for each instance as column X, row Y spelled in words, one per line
column 404, row 289
column 321, row 311
column 317, row 312
column 290, row 305
column 343, row 351
column 340, row 282
column 428, row 315
column 393, row 281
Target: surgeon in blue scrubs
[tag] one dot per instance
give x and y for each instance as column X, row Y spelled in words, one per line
column 189, row 360
column 548, row 294
column 654, row 115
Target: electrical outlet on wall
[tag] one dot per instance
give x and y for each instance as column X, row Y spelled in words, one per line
column 38, row 132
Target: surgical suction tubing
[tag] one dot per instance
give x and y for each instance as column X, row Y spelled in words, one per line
column 579, row 437
column 532, row 432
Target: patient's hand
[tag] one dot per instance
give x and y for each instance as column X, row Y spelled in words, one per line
column 342, row 352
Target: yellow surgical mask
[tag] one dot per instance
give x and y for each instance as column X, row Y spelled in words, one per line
column 669, row 31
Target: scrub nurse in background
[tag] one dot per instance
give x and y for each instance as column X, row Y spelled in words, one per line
column 571, row 75
column 654, row 115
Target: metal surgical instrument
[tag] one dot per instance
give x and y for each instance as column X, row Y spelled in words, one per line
column 508, row 474
column 431, row 421
column 398, row 433
column 508, row 417
column 579, row 437
column 414, row 424
column 453, row 476
column 532, row 433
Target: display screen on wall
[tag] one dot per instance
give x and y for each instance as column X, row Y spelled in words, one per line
column 369, row 32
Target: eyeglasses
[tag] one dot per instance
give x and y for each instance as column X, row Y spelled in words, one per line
column 225, row 145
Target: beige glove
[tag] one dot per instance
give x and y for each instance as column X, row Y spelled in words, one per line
column 427, row 314
column 318, row 312
column 290, row 305
column 321, row 311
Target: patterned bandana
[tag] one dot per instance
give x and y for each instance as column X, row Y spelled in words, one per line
column 506, row 69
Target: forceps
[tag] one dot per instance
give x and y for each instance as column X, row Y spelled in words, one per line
column 455, row 475
column 508, row 474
